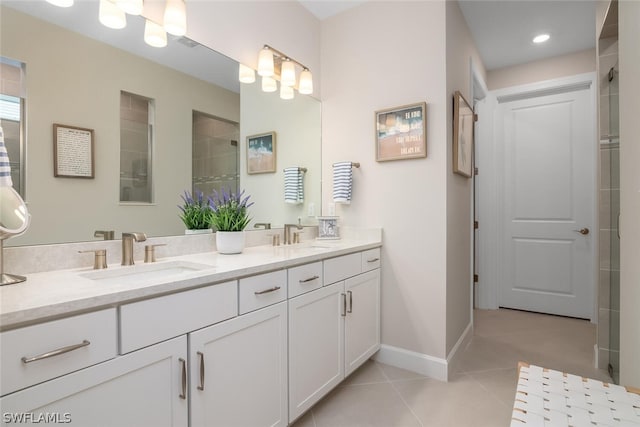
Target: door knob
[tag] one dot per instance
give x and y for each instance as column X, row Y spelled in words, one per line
column 584, row 231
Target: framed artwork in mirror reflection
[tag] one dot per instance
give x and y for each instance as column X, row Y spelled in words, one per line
column 401, row 132
column 261, row 153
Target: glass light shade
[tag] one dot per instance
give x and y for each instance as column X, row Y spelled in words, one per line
column 61, row 3
column 246, row 74
column 132, row 7
column 288, row 73
column 154, row 34
column 269, row 84
column 265, row 63
column 305, row 87
column 175, row 17
column 111, row 15
column 286, row 92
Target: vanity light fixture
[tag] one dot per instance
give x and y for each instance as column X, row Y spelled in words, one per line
column 132, row 7
column 111, row 16
column 272, row 62
column 175, row 17
column 246, row 74
column 269, row 84
column 286, row 92
column 154, row 34
column 541, row 38
column 61, row 3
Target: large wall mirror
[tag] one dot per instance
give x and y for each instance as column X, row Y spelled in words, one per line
column 78, row 80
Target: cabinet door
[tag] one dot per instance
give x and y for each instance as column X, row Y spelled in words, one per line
column 239, row 370
column 316, row 356
column 362, row 323
column 142, row 388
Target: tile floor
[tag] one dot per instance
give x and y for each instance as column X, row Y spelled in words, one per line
column 482, row 389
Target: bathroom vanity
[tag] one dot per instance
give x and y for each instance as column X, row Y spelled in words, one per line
column 251, row 339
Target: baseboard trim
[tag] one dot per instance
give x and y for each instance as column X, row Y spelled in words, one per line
column 455, row 352
column 433, row 367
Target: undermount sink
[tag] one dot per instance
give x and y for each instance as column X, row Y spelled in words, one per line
column 146, row 272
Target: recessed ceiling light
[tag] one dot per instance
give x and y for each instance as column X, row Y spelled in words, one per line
column 541, row 38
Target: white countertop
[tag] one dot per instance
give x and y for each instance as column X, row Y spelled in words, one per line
column 60, row 293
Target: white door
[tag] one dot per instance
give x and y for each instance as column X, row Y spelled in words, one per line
column 548, row 190
column 239, row 371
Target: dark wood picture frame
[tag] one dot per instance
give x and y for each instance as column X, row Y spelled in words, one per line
column 463, row 124
column 73, row 152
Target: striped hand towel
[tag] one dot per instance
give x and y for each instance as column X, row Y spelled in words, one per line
column 293, row 185
column 5, row 166
column 342, row 182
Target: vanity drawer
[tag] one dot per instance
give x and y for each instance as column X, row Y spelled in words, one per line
column 148, row 322
column 370, row 259
column 262, row 290
column 304, row 278
column 37, row 353
column 339, row 268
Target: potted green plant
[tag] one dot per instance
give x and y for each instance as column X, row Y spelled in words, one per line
column 196, row 213
column 229, row 217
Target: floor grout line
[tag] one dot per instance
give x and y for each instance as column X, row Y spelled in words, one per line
column 406, row 404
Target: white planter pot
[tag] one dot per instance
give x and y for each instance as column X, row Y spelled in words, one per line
column 229, row 242
column 202, row 231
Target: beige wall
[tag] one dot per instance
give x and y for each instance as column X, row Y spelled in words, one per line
column 375, row 56
column 461, row 51
column 62, row 89
column 629, row 57
column 545, row 69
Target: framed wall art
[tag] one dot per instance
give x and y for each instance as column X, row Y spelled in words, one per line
column 463, row 119
column 73, row 152
column 261, row 153
column 401, row 132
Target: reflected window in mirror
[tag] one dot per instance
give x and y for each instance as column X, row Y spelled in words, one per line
column 136, row 148
column 215, row 156
column 12, row 117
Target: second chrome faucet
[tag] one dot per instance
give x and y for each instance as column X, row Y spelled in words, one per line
column 127, row 245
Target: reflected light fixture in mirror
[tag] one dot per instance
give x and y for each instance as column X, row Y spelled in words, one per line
column 61, row 3
column 132, row 7
column 269, row 84
column 286, row 92
column 175, row 17
column 246, row 74
column 111, row 16
column 154, row 34
column 267, row 67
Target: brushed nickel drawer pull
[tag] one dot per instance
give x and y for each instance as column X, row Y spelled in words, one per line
column 183, row 362
column 57, row 352
column 266, row 291
column 350, row 302
column 310, row 279
column 201, row 356
column 373, row 260
column 344, row 305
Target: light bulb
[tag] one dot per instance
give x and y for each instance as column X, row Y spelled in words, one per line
column 305, row 87
column 111, row 15
column 541, row 38
column 246, row 74
column 154, row 34
column 269, row 84
column 132, row 7
column 61, row 3
column 286, row 92
column 175, row 17
column 288, row 73
column 265, row 62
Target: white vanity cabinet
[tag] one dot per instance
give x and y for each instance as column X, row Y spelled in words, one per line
column 239, row 370
column 333, row 330
column 144, row 388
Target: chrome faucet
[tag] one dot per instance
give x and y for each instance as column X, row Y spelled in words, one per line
column 105, row 234
column 266, row 225
column 127, row 246
column 287, row 233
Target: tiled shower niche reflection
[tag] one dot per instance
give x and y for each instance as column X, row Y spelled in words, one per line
column 136, row 148
column 215, row 156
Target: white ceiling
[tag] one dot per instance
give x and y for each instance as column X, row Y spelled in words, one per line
column 503, row 29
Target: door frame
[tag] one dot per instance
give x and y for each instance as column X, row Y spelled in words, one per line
column 491, row 187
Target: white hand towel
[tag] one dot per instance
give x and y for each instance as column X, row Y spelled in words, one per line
column 293, row 185
column 342, row 182
column 5, row 166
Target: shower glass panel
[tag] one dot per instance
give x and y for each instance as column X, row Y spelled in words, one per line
column 614, row 262
column 215, row 156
